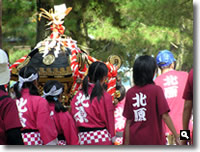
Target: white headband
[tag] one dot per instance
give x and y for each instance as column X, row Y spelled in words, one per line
column 29, row 79
column 52, row 92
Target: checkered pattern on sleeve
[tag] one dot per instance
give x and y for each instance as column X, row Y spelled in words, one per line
column 62, row 142
column 32, row 138
column 119, row 140
column 94, row 137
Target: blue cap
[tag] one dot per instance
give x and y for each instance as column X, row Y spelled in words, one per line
column 165, row 58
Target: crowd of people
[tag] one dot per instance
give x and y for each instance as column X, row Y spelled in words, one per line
column 156, row 109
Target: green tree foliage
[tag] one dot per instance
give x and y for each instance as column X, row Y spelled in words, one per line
column 18, row 21
column 125, row 28
column 131, row 27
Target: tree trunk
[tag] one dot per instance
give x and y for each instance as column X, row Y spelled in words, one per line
column 42, row 33
column 182, row 50
column 1, row 24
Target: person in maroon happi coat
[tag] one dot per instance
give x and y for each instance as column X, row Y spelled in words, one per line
column 93, row 110
column 65, row 125
column 146, row 107
column 9, row 120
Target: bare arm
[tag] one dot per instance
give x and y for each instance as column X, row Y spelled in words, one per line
column 186, row 116
column 187, row 113
column 170, row 125
column 127, row 128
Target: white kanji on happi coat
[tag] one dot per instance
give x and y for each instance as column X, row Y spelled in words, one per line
column 140, row 113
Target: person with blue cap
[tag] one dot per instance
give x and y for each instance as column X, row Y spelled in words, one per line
column 173, row 83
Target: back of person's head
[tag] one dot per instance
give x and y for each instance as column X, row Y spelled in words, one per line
column 26, row 78
column 52, row 92
column 164, row 59
column 96, row 73
column 4, row 69
column 144, row 69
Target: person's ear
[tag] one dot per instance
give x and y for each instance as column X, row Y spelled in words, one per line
column 103, row 80
column 172, row 66
column 35, row 82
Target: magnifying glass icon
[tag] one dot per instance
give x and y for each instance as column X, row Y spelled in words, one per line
column 184, row 134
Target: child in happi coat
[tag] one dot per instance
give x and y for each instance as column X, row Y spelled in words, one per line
column 93, row 110
column 146, row 107
column 67, row 131
column 38, row 126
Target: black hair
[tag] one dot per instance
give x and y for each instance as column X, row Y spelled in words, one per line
column 168, row 66
column 54, row 99
column 144, row 69
column 97, row 71
column 26, row 72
